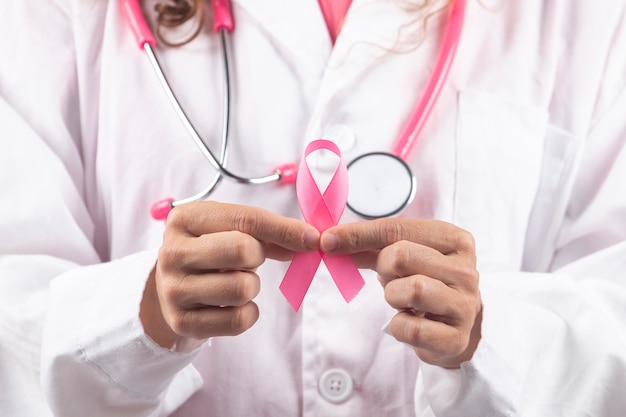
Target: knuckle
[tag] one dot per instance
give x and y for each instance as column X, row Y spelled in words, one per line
column 353, row 241
column 288, row 234
column 463, row 269
column 392, row 231
column 473, row 280
column 243, row 318
column 465, row 241
column 470, row 278
column 181, row 322
column 467, row 308
column 399, row 254
column 246, row 221
column 406, row 330
column 238, row 322
column 245, row 289
column 459, row 344
column 413, row 332
column 416, row 291
column 172, row 292
column 169, row 256
column 246, row 250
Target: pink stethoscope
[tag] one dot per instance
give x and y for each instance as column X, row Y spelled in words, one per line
column 370, row 196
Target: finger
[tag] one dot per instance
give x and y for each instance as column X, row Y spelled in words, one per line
column 277, row 252
column 405, row 258
column 377, row 234
column 222, row 250
column 421, row 293
column 440, row 340
column 207, row 322
column 233, row 288
column 367, row 259
column 206, row 217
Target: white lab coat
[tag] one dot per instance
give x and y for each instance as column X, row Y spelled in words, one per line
column 525, row 149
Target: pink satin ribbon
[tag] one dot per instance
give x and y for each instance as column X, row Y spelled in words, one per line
column 322, row 211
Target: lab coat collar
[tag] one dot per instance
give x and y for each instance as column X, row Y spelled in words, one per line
column 300, row 28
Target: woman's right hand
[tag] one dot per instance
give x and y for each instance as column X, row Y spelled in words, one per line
column 204, row 279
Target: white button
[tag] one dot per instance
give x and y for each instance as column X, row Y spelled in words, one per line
column 342, row 135
column 335, row 385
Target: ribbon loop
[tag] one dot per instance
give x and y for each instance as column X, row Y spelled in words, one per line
column 322, row 211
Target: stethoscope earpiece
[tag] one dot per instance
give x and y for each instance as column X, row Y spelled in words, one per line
column 161, row 209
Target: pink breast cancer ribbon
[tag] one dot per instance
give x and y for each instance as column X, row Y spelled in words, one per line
column 322, row 211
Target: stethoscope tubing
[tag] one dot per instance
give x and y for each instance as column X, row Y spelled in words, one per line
column 192, row 131
column 419, row 115
column 223, row 24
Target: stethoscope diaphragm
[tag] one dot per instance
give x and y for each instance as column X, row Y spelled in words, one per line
column 381, row 185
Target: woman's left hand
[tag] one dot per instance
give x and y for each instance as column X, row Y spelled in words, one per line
column 428, row 271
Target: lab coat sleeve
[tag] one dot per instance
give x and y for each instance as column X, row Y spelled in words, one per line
column 553, row 343
column 48, row 234
column 97, row 344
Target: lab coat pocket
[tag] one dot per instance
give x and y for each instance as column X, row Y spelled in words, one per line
column 499, row 155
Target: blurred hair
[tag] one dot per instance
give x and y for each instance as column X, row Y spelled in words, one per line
column 174, row 13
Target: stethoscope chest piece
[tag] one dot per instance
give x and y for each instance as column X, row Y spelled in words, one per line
column 381, row 185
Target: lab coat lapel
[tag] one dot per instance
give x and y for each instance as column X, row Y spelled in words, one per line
column 299, row 27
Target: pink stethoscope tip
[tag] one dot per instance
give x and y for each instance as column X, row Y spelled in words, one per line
column 288, row 173
column 161, row 209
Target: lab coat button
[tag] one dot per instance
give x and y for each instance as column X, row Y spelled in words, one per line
column 342, row 135
column 335, row 385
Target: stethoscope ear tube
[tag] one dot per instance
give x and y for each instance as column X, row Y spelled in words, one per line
column 137, row 22
column 419, row 115
column 223, row 23
column 222, row 16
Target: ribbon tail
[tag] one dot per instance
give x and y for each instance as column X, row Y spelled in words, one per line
column 345, row 274
column 299, row 276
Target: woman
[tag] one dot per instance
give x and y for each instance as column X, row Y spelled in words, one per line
column 519, row 169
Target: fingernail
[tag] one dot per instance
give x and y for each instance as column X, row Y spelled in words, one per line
column 330, row 242
column 311, row 239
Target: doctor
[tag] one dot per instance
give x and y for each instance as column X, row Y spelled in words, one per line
column 520, row 168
